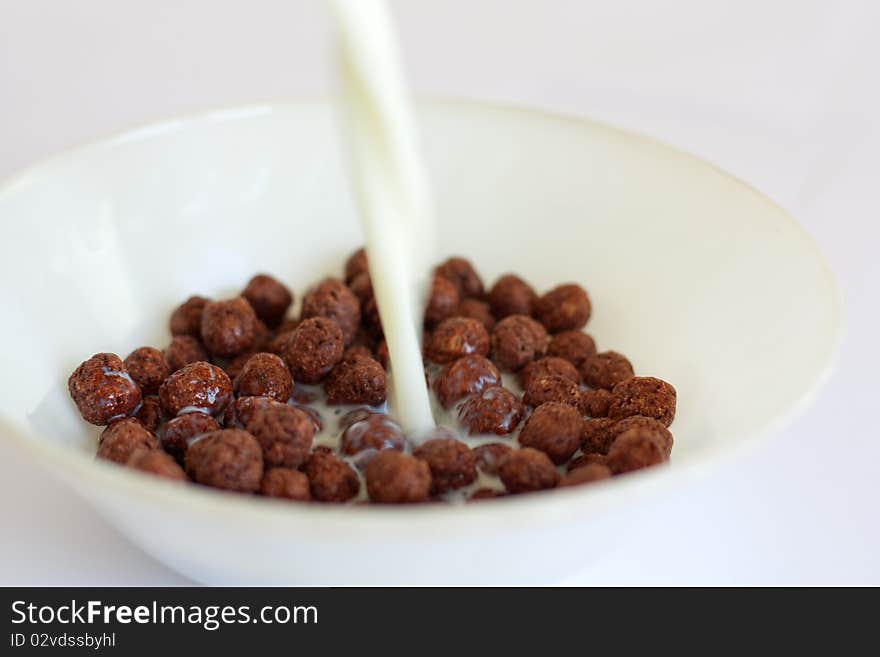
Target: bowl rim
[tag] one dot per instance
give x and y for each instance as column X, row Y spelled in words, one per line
column 93, row 478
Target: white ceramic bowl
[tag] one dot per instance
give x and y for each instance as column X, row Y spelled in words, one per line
column 696, row 277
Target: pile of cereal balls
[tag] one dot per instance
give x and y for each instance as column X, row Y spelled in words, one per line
column 240, row 398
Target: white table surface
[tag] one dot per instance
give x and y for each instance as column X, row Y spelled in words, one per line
column 782, row 94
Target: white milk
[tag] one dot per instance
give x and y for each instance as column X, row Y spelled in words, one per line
column 392, row 194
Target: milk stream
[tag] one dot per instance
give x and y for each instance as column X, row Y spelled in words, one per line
column 391, row 191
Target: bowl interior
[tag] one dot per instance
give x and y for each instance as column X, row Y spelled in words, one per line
column 694, row 276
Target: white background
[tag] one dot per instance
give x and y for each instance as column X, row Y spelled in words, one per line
column 784, row 94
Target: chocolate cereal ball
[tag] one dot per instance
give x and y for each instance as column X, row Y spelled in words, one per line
column 198, row 386
column 148, row 367
column 661, row 434
column 397, row 478
column 120, row 440
column 179, row 431
column 564, row 308
column 456, row 337
column 102, row 390
column 643, row 395
column 511, row 295
column 240, row 411
column 187, row 317
column 478, row 310
column 586, row 474
column 555, row 429
column 525, row 470
column 356, row 264
column 597, row 436
column 150, row 414
column 228, row 327
column 484, row 494
column 184, row 350
column 595, row 403
column 442, row 301
column 230, row 459
column 269, row 298
column 156, row 462
column 634, row 449
column 330, row 479
column 574, row 346
column 357, row 351
column 332, row 299
column 362, row 287
column 493, row 410
column 552, row 389
column 606, row 369
column 586, row 459
column 488, row 456
column 285, row 483
column 313, row 349
column 452, row 463
column 547, row 366
column 466, row 376
column 516, row 341
column 285, row 434
column 264, row 375
column 375, row 431
column 356, row 382
column 463, row 275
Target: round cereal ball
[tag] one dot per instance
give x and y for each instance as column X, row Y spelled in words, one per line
column 285, row 434
column 488, row 456
column 355, row 415
column 586, row 474
column 595, row 403
column 187, row 317
column 241, row 410
column 376, row 431
column 456, row 337
column 269, row 298
column 229, row 327
column 356, row 382
column 372, row 321
column 564, row 308
column 357, row 351
column 234, row 367
column 362, row 287
column 150, row 414
column 484, row 494
column 314, row 348
column 285, row 483
column 331, row 298
column 643, row 395
column 263, row 336
column 452, row 463
column 264, row 375
column 463, row 275
column 634, row 449
column 184, row 350
column 230, row 459
column 606, row 369
column 597, row 436
column 356, row 264
column 397, row 478
column 525, row 470
column 148, row 367
column 279, row 340
column 179, row 431
column 120, row 440
column 574, row 346
column 493, row 410
column 511, row 295
column 466, row 376
column 442, row 301
column 102, row 390
column 478, row 310
column 662, row 435
column 585, row 459
column 555, row 429
column 547, row 366
column 552, row 389
column 198, row 386
column 156, row 462
column 330, row 478
column 516, row 341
